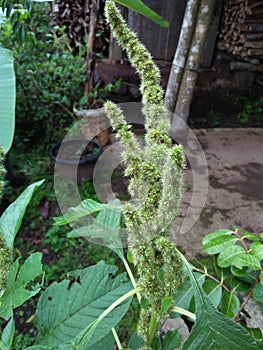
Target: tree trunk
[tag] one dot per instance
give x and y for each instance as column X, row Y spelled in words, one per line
column 181, row 53
column 190, row 74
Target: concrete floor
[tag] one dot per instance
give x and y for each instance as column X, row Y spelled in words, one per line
column 235, row 186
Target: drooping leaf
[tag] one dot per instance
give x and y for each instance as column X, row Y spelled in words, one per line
column 68, row 312
column 172, row 340
column 258, row 293
column 105, row 227
column 141, row 8
column 7, row 99
column 16, row 292
column 214, row 291
column 11, row 219
column 86, row 207
column 230, row 304
column 8, row 335
column 215, row 242
column 212, row 330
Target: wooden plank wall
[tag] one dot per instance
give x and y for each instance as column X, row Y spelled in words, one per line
column 160, row 41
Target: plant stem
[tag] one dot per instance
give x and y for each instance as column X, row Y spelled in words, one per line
column 152, row 330
column 117, row 339
column 212, row 278
column 184, row 312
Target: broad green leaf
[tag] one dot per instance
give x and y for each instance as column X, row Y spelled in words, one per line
column 11, row 219
column 172, row 340
column 261, row 277
column 87, row 207
column 258, row 293
column 230, row 304
column 8, row 335
column 214, row 291
column 256, row 249
column 212, row 330
column 235, row 255
column 67, row 312
column 16, row 292
column 141, row 8
column 216, row 242
column 184, row 294
column 7, row 99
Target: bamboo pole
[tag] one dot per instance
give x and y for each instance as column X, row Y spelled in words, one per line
column 91, row 57
column 181, row 53
column 190, row 75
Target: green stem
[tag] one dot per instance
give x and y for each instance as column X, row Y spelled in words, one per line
column 129, row 271
column 184, row 312
column 117, row 339
column 152, row 330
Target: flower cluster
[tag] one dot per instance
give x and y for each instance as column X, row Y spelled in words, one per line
column 156, row 173
column 5, row 252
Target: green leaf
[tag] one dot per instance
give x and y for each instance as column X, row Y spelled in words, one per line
column 238, row 285
column 172, row 340
column 136, row 342
column 67, row 312
column 87, row 207
column 106, row 227
column 214, row 291
column 230, row 304
column 256, row 249
column 258, row 293
column 256, row 333
column 141, row 8
column 216, row 242
column 16, row 293
column 212, row 330
column 11, row 219
column 7, row 99
column 166, row 304
column 8, row 335
column 235, row 255
column 184, row 294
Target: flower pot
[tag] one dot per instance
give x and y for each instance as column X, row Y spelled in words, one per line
column 75, row 159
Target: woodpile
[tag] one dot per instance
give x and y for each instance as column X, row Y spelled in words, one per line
column 74, row 16
column 242, row 28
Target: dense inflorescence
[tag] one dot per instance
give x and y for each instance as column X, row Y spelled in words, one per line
column 155, row 173
column 5, row 252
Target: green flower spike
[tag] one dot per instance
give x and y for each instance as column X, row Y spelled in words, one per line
column 156, row 182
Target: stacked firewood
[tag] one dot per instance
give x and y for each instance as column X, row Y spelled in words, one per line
column 74, row 16
column 242, row 28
